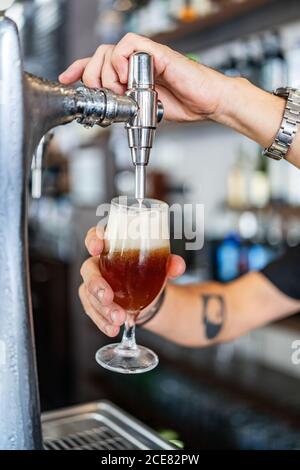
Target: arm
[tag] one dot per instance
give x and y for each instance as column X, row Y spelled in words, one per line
column 205, row 314
column 256, row 114
column 199, row 314
column 188, row 90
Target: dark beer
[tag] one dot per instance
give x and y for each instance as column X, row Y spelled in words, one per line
column 135, row 276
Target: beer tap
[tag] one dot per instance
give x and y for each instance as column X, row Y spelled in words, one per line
column 29, row 108
column 142, row 126
column 139, row 108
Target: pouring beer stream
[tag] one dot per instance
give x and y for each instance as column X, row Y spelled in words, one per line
column 29, row 108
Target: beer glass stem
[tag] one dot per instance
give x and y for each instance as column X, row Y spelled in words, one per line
column 128, row 343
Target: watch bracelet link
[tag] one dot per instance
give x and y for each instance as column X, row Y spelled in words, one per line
column 289, row 126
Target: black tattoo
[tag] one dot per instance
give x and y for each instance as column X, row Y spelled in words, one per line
column 213, row 316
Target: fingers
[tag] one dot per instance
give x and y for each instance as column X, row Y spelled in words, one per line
column 131, row 43
column 89, row 69
column 97, row 298
column 176, row 266
column 109, row 65
column 99, row 71
column 94, row 241
column 92, row 73
column 102, row 323
column 112, row 313
column 95, row 283
column 74, row 72
column 109, row 77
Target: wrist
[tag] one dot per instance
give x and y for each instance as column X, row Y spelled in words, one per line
column 226, row 88
column 153, row 310
column 251, row 111
column 235, row 89
column 160, row 322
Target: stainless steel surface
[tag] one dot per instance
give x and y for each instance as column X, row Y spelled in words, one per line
column 289, row 125
column 141, row 71
column 19, row 403
column 142, row 126
column 51, row 104
column 103, row 107
column 140, row 182
column 97, row 426
column 37, row 166
column 36, row 171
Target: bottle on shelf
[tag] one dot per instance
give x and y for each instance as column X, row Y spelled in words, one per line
column 238, row 183
column 187, row 13
column 150, row 18
column 190, row 10
column 274, row 69
column 237, row 64
column 228, row 258
column 255, row 57
column 260, row 184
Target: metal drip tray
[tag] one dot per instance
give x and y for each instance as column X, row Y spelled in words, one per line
column 97, row 426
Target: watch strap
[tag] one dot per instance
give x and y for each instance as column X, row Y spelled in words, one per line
column 289, row 126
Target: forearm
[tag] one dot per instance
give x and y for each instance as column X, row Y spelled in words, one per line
column 204, row 314
column 256, row 114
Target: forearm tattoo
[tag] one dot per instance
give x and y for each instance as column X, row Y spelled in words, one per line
column 213, row 314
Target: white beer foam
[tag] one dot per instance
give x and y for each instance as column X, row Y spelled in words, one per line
column 129, row 229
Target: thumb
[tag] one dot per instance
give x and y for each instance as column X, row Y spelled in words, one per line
column 176, row 266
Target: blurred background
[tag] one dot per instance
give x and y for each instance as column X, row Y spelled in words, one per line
column 240, row 395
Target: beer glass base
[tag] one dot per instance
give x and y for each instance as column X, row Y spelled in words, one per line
column 135, row 361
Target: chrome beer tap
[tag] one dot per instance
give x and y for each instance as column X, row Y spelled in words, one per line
column 140, row 109
column 142, row 126
column 29, row 108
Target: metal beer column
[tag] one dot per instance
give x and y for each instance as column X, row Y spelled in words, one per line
column 29, row 108
column 20, row 426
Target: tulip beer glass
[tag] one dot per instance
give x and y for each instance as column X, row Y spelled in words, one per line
column 134, row 263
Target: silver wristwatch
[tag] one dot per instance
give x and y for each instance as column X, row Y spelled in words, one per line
column 289, row 125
